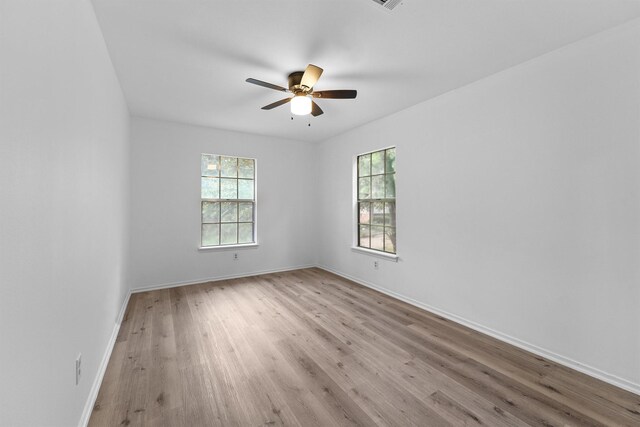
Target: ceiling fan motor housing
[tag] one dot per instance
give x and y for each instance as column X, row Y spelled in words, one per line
column 294, row 82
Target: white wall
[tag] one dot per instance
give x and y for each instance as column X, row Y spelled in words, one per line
column 64, row 129
column 166, row 204
column 518, row 203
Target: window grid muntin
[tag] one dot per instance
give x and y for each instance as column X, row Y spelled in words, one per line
column 386, row 201
column 219, row 176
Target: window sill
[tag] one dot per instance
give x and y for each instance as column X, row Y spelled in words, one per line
column 228, row 247
column 383, row 255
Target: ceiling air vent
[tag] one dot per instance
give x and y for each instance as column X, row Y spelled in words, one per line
column 388, row 4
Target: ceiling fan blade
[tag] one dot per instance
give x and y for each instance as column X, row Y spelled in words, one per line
column 276, row 104
column 315, row 109
column 311, row 76
column 267, row 85
column 335, row 94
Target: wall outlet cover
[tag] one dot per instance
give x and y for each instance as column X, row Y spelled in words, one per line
column 78, row 368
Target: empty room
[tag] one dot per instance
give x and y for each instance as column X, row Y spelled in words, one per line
column 319, row 213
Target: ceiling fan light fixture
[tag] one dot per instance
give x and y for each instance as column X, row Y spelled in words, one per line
column 301, row 105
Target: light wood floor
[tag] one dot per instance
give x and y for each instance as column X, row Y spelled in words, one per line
column 312, row 349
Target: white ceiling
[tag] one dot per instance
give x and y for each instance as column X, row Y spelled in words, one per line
column 187, row 60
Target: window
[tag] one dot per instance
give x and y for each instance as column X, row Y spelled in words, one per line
column 228, row 200
column 377, row 200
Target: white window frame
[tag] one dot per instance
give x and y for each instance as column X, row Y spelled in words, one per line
column 355, row 247
column 218, row 247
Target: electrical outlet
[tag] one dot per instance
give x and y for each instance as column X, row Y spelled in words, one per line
column 375, row 265
column 235, row 257
column 78, row 368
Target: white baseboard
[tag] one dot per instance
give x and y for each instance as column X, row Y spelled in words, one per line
column 97, row 382
column 215, row 279
column 557, row 358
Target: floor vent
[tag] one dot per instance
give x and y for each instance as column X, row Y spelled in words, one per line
column 388, row 4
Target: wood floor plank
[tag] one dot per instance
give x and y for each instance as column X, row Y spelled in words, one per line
column 314, row 348
column 562, row 377
column 578, row 405
column 166, row 409
column 381, row 403
column 409, row 405
column 199, row 390
column 310, row 348
column 373, row 351
column 270, row 407
column 261, row 340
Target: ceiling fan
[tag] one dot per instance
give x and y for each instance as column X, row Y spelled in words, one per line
column 301, row 86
